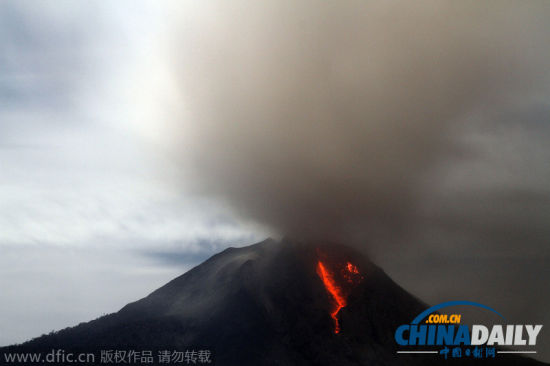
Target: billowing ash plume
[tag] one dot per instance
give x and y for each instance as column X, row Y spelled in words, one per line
column 321, row 118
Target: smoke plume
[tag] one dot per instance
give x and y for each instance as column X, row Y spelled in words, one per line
column 323, row 118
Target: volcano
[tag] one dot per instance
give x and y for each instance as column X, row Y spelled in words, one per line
column 271, row 303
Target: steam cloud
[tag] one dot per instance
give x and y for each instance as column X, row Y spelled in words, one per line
column 322, row 118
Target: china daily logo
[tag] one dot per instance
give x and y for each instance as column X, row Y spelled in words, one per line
column 457, row 340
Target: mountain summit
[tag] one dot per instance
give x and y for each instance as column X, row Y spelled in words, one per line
column 272, row 303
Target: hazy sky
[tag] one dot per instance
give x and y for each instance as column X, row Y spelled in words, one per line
column 130, row 148
column 89, row 218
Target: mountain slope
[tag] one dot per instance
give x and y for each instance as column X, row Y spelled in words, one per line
column 264, row 304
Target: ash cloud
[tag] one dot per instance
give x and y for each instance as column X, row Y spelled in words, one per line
column 324, row 119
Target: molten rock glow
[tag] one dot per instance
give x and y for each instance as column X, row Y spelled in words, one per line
column 350, row 276
column 334, row 291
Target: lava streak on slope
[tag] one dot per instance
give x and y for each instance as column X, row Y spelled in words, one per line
column 349, row 276
column 334, row 291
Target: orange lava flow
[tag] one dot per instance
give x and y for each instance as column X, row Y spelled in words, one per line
column 352, row 269
column 334, row 290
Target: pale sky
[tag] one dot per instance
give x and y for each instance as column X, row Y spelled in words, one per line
column 90, row 214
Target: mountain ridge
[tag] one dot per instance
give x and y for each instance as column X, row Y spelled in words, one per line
column 263, row 304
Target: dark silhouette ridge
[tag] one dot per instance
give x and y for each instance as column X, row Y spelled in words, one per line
column 262, row 305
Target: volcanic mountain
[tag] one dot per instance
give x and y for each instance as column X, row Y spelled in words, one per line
column 272, row 303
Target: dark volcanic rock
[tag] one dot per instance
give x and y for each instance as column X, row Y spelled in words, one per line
column 261, row 305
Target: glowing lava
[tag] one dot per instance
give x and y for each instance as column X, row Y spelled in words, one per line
column 351, row 268
column 339, row 278
column 334, row 290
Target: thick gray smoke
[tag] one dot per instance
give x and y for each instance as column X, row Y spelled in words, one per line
column 322, row 118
